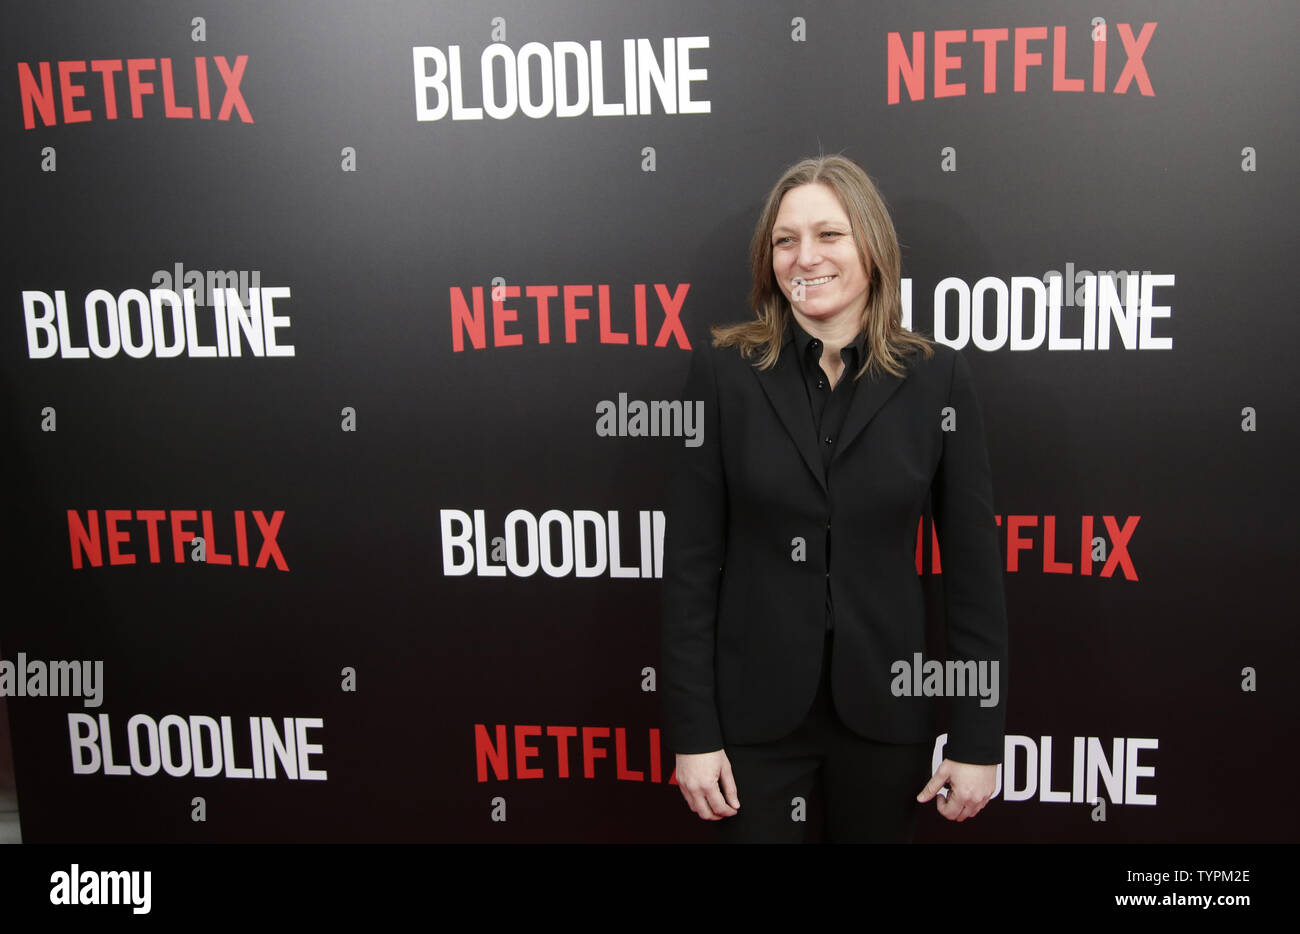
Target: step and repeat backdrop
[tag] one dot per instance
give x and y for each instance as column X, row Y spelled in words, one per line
column 343, row 354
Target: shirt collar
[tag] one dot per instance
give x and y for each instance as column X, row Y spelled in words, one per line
column 803, row 342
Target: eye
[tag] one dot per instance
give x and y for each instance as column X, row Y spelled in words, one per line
column 831, row 233
column 780, row 241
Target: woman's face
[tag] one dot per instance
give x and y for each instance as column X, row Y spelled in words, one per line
column 815, row 259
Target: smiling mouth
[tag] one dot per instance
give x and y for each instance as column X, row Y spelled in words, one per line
column 820, row 280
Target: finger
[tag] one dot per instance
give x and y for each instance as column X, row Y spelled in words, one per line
column 696, row 802
column 729, row 785
column 718, row 804
column 933, row 785
column 976, row 806
column 966, row 805
column 951, row 807
column 973, row 804
column 703, row 810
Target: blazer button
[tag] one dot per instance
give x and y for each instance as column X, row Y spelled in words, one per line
column 830, row 440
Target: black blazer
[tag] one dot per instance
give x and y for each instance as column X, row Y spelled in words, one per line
column 744, row 622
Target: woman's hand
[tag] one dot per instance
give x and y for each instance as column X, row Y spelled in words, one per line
column 699, row 776
column 971, row 788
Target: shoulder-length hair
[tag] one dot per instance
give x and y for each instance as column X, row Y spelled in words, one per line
column 888, row 342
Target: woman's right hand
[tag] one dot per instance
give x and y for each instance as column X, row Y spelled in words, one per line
column 707, row 784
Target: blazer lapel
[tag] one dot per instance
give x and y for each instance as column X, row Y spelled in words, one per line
column 872, row 392
column 783, row 384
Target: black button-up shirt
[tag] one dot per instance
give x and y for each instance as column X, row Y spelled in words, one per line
column 829, row 407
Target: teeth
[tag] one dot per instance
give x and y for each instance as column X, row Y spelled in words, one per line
column 799, row 280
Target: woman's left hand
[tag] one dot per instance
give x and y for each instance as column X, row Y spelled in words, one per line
column 970, row 787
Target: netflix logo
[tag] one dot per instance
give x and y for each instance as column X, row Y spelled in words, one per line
column 961, row 59
column 1067, row 547
column 530, row 320
column 74, row 96
column 123, row 532
column 503, row 752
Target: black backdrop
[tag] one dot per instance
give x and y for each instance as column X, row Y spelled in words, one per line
column 377, row 223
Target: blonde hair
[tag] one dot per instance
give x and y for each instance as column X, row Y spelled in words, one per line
column 888, row 342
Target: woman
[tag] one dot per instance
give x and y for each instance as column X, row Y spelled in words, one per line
column 790, row 593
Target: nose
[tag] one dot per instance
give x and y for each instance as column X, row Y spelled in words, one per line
column 809, row 252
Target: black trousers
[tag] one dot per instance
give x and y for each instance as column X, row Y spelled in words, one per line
column 866, row 790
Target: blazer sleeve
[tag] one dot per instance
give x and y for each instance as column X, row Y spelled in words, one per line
column 694, row 547
column 974, row 596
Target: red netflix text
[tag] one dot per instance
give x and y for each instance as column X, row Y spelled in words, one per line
column 502, row 753
column 1067, row 548
column 575, row 309
column 123, row 531
column 81, row 98
column 955, row 58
